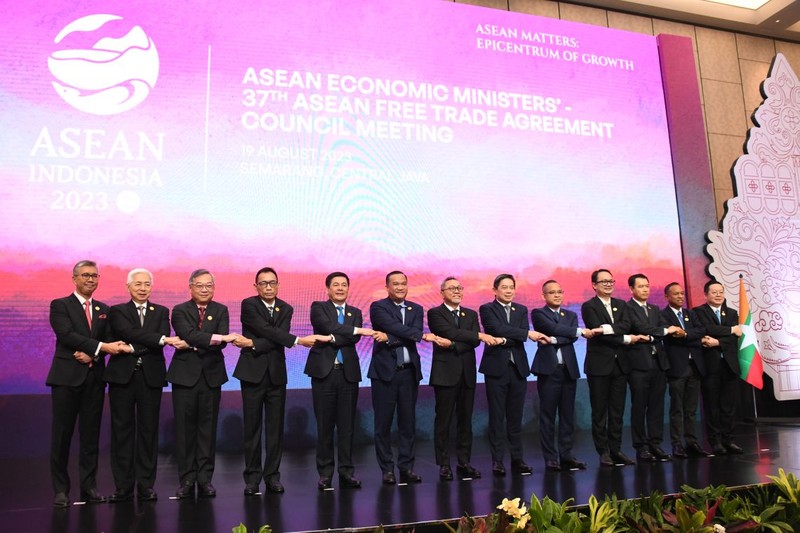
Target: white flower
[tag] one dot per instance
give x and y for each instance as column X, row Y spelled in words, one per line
column 719, row 528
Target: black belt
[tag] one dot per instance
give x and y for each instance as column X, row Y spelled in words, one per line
column 404, row 366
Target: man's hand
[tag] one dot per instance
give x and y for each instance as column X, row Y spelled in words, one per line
column 115, row 348
column 736, row 330
column 489, row 340
column 170, row 341
column 429, row 337
column 587, row 333
column 365, row 331
column 380, row 336
column 441, row 341
column 181, row 344
column 536, row 336
column 243, row 342
column 709, row 342
column 230, row 337
column 82, row 357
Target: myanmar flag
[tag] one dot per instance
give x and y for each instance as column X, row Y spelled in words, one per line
column 751, row 369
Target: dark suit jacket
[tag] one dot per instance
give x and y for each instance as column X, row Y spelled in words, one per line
column 652, row 324
column 679, row 350
column 321, row 357
column 385, row 316
column 495, row 358
column 728, row 343
column 202, row 358
column 545, row 360
column 68, row 320
column 270, row 341
column 602, row 350
column 124, row 320
column 449, row 364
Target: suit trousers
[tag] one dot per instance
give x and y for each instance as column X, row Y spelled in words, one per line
column 399, row 394
column 335, row 401
column 263, row 407
column 196, row 411
column 82, row 404
column 556, row 397
column 607, row 398
column 506, row 398
column 648, row 388
column 684, row 395
column 460, row 400
column 135, row 407
column 720, row 397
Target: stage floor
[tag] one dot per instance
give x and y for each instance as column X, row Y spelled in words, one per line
column 26, row 496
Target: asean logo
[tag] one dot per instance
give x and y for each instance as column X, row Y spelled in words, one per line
column 102, row 73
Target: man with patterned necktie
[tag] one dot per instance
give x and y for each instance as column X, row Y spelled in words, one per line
column 76, row 381
column 335, row 373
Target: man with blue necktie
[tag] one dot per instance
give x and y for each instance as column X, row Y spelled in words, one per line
column 335, row 373
column 395, row 371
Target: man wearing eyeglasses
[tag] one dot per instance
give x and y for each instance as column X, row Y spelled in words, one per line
column 261, row 368
column 197, row 374
column 335, row 373
column 76, row 381
column 506, row 370
column 556, row 369
column 720, row 385
column 606, row 367
column 453, row 377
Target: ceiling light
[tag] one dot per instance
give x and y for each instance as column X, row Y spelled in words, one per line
column 747, row 4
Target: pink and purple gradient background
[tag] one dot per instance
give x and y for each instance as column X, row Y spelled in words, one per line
column 533, row 204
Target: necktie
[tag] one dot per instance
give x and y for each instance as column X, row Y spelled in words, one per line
column 402, row 354
column 455, row 316
column 719, row 318
column 644, row 308
column 508, row 312
column 141, row 314
column 202, row 311
column 610, row 311
column 555, row 314
column 87, row 308
column 270, row 310
column 340, row 319
column 680, row 318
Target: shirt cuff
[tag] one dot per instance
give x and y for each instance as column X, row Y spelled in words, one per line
column 608, row 329
column 216, row 339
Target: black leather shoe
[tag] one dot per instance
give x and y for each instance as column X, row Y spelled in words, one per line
column 719, row 449
column 733, row 448
column 519, row 466
column 644, row 455
column 349, row 482
column 409, row 476
column 605, row 460
column 679, row 452
column 206, row 490
column 572, row 464
column 621, row 458
column 660, row 454
column 552, row 466
column 467, row 471
column 147, row 495
column 275, row 486
column 91, row 496
column 388, row 478
column 445, row 473
column 120, row 495
column 251, row 489
column 324, row 483
column 695, row 450
column 186, row 490
column 498, row 469
column 61, row 500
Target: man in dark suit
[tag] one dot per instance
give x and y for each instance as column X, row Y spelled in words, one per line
column 197, row 374
column 135, row 382
column 453, row 377
column 685, row 373
column 76, row 381
column 335, row 373
column 606, row 367
column 395, row 371
column 261, row 368
column 506, row 369
column 720, row 354
column 556, row 369
column 647, row 378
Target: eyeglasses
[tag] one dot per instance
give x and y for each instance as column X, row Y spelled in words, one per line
column 88, row 276
column 459, row 288
column 553, row 293
column 606, row 282
column 265, row 284
column 201, row 286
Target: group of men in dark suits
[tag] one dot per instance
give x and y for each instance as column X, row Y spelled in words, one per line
column 629, row 344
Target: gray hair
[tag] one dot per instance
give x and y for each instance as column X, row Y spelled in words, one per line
column 80, row 264
column 200, row 272
column 138, row 271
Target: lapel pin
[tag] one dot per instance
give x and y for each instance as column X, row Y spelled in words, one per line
column 513, row 308
column 97, row 308
column 463, row 313
column 408, row 308
column 209, row 317
column 562, row 313
column 277, row 308
column 614, row 309
column 349, row 314
column 723, row 313
column 152, row 308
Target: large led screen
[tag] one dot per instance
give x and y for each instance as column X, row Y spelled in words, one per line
column 312, row 136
